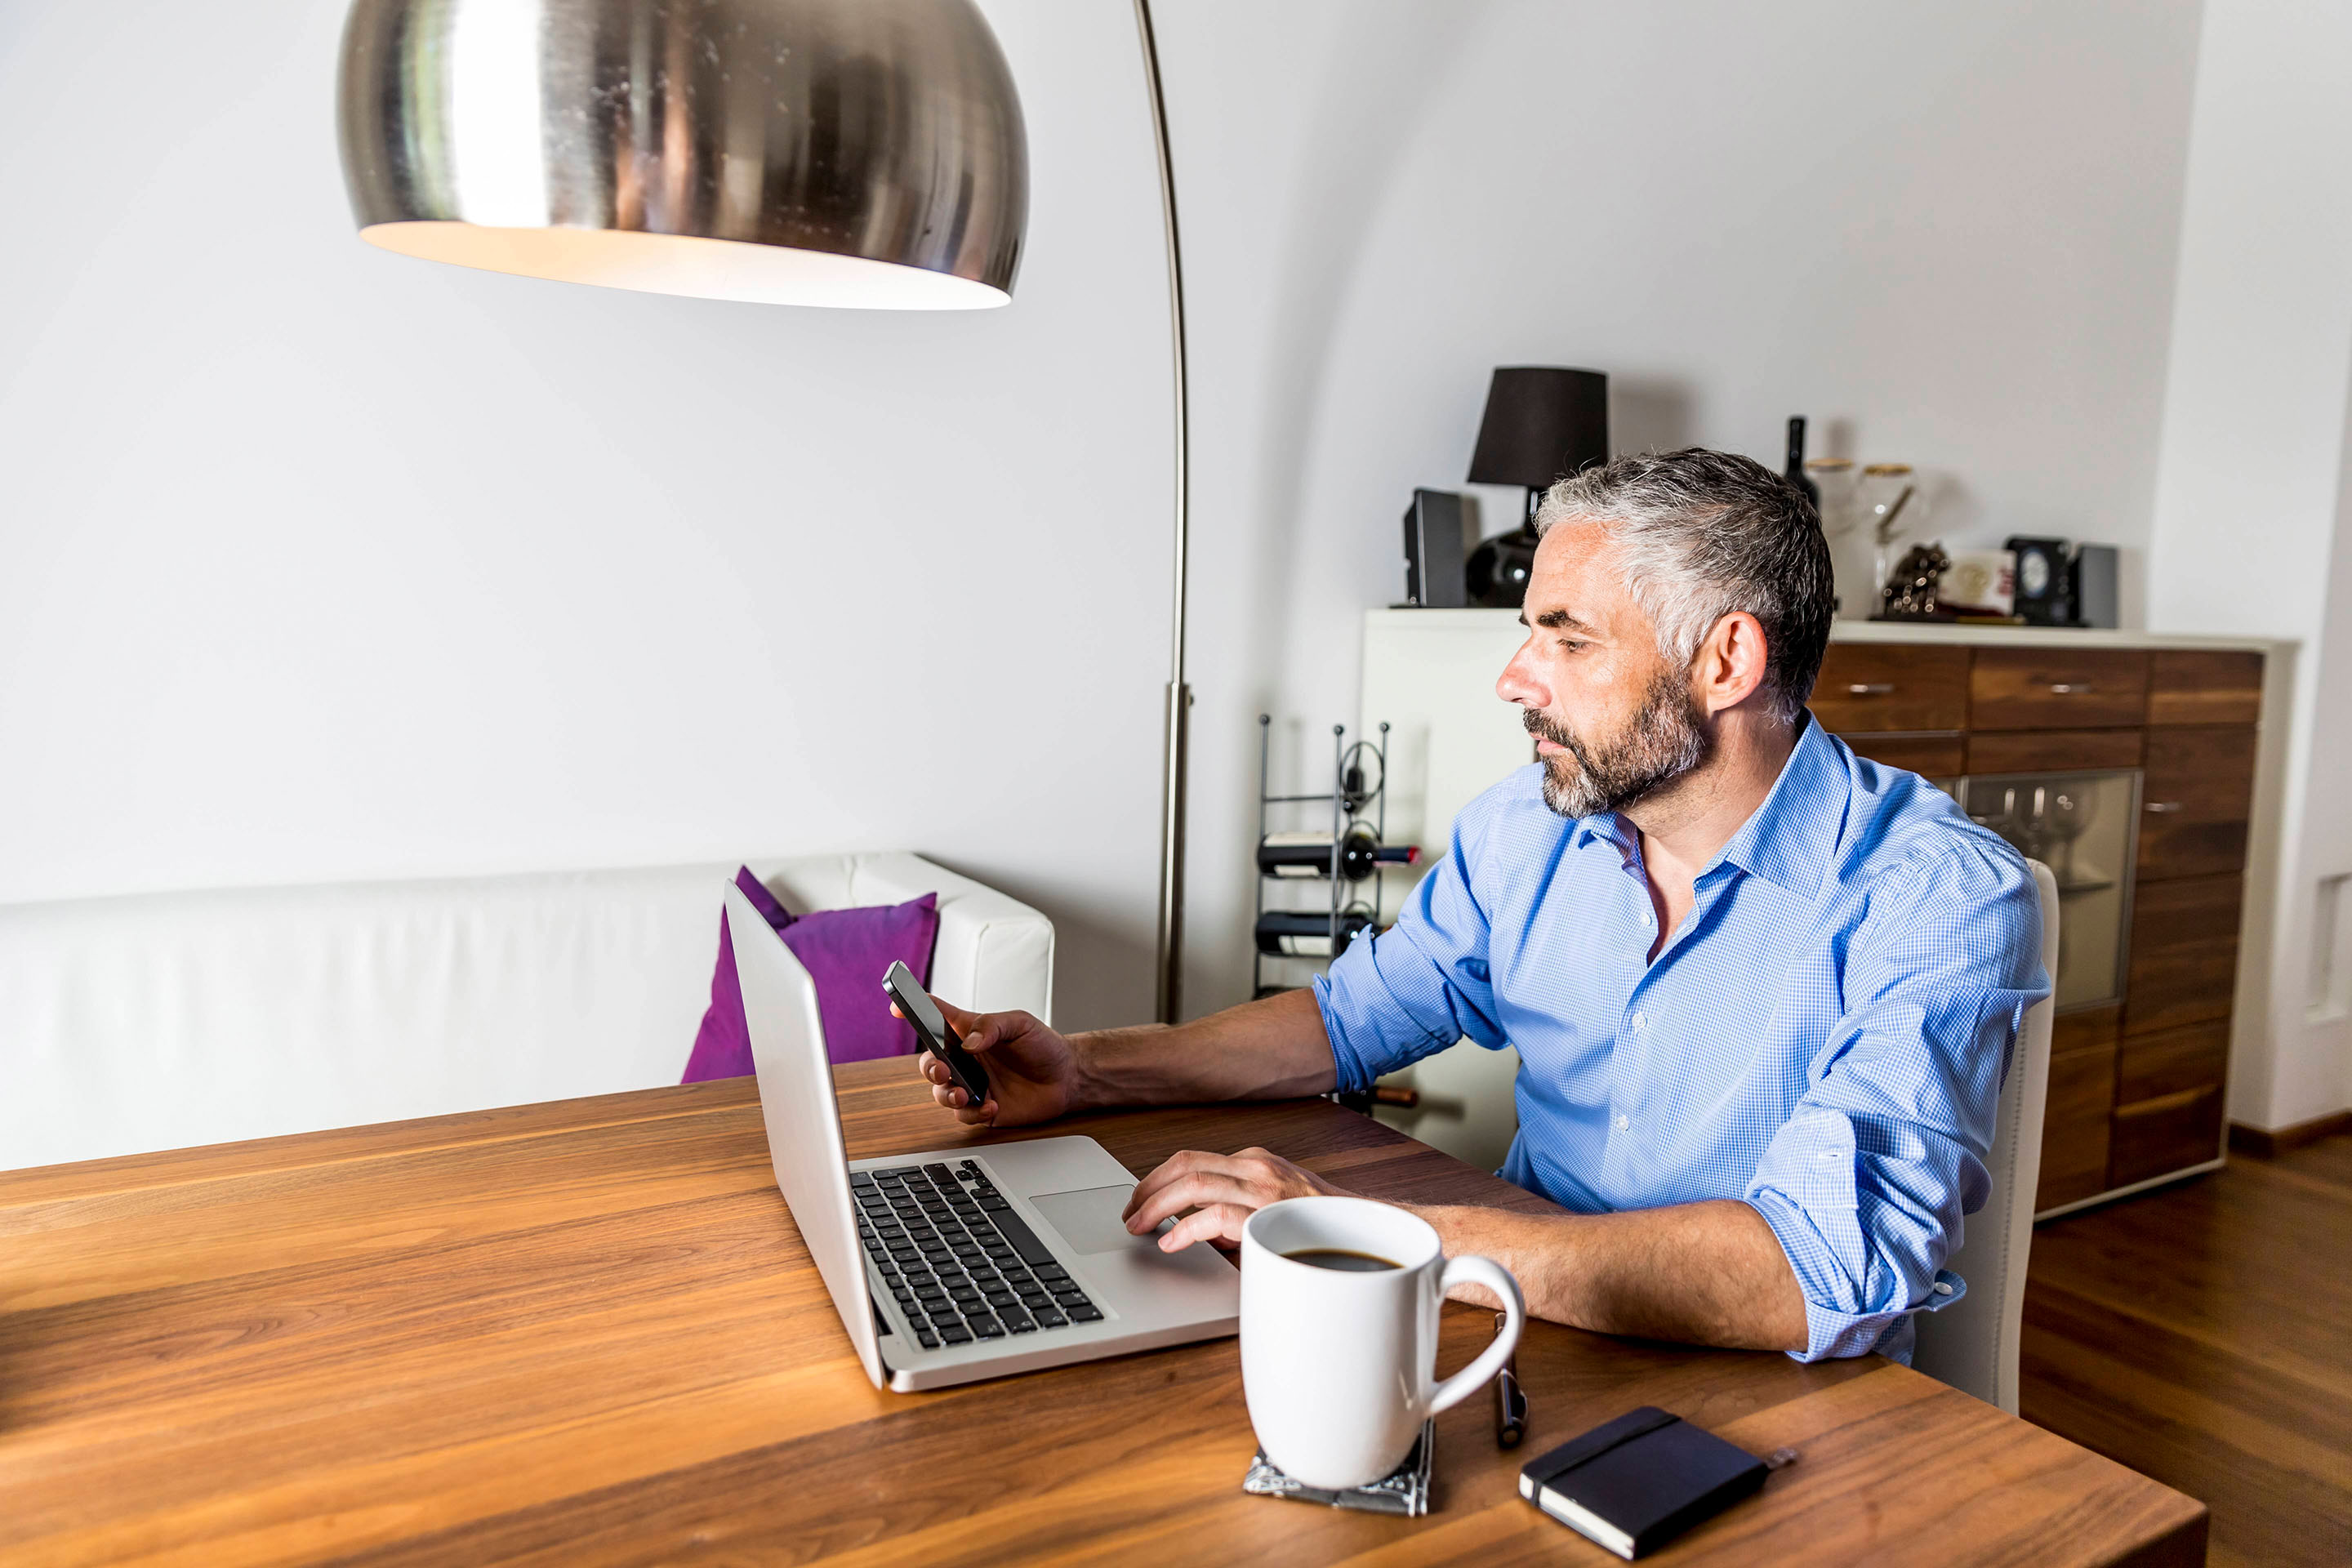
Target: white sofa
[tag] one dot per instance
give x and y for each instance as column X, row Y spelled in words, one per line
column 158, row 1022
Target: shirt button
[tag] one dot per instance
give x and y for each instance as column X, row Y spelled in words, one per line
column 1623, row 1122
column 1942, row 1289
column 1641, row 1020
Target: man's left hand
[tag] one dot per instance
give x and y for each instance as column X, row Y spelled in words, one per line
column 1221, row 1190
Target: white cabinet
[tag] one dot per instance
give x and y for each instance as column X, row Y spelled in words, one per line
column 1430, row 675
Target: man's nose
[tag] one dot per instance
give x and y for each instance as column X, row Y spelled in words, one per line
column 1517, row 684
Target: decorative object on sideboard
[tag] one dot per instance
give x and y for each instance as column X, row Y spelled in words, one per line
column 1541, row 423
column 1434, row 567
column 1891, row 502
column 1794, row 470
column 2044, row 581
column 1346, row 853
column 1910, row 593
column 1980, row 584
column 1836, row 484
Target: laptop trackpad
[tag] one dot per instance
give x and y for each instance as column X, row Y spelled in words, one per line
column 1089, row 1218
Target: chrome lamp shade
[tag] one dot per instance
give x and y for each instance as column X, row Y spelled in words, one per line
column 850, row 153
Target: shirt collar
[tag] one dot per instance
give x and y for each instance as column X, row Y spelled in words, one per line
column 1606, row 828
column 1787, row 841
column 1790, row 840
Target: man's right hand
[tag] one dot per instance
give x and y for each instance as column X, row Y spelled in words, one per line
column 1033, row 1073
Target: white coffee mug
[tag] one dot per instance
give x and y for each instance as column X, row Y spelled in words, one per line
column 1340, row 1367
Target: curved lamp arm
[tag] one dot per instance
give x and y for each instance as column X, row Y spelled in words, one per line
column 1169, row 950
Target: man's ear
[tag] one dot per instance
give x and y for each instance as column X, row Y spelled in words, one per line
column 1731, row 663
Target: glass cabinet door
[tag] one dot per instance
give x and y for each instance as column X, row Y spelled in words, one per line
column 2084, row 826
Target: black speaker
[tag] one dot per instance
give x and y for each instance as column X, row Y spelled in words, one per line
column 1433, row 551
column 2097, row 599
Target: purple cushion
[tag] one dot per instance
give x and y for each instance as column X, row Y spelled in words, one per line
column 847, row 953
column 723, row 1047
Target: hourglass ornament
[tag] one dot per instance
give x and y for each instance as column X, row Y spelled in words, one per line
column 1890, row 501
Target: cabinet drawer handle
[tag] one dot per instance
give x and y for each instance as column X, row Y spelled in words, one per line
column 2070, row 689
column 1870, row 689
column 2165, row 806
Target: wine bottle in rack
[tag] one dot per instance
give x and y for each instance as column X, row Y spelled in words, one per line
column 1306, row 933
column 1308, row 855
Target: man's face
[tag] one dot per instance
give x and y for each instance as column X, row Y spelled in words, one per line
column 1614, row 721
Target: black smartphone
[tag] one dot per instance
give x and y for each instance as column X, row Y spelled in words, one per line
column 916, row 1006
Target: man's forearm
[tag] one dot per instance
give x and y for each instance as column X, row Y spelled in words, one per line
column 1274, row 1049
column 1707, row 1273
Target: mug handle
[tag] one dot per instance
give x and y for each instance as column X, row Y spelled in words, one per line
column 1473, row 1270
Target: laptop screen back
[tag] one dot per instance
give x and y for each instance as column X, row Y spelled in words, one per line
column 805, row 1142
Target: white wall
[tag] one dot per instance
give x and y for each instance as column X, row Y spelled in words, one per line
column 1945, row 233
column 318, row 562
column 2253, row 506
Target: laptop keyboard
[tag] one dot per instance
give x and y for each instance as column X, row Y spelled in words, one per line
column 964, row 1265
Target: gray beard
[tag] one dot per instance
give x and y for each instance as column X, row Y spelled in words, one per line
column 1665, row 740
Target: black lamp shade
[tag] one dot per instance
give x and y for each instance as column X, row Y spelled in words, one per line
column 1541, row 423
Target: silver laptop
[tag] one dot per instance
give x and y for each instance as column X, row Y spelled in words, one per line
column 959, row 1264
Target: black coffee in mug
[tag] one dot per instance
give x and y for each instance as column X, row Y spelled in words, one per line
column 1341, row 1258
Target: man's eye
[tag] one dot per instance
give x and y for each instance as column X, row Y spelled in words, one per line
column 1571, row 644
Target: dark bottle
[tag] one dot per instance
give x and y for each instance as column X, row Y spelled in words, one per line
column 1796, row 468
column 1309, row 854
column 1287, row 933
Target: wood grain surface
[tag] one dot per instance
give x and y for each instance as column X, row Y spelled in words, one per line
column 1865, row 686
column 2076, row 1122
column 2183, row 957
column 2049, row 750
column 2057, row 688
column 2201, row 688
column 2203, row 1334
column 2195, row 805
column 587, row 1332
column 1931, row 756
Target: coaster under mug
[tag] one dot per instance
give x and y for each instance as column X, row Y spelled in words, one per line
column 1403, row 1492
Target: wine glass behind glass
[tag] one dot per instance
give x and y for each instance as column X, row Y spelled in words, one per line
column 2067, row 812
column 2004, row 821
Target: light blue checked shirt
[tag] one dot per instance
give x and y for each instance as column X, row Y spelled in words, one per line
column 1825, row 1037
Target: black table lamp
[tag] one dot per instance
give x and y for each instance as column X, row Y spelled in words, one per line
column 1541, row 424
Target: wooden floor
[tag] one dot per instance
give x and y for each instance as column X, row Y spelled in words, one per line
column 2202, row 1335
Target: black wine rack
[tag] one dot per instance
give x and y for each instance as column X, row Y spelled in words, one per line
column 1357, row 803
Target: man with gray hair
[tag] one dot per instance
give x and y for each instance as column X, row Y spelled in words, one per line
column 1763, row 992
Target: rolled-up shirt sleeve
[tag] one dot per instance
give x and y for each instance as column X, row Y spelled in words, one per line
column 1423, row 984
column 1867, row 1183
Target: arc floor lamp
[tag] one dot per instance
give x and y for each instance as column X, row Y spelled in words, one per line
column 849, row 153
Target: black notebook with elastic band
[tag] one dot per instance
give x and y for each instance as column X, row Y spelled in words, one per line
column 1636, row 1483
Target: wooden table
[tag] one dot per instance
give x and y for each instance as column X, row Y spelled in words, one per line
column 586, row 1332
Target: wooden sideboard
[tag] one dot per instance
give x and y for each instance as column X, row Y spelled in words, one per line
column 2136, row 1087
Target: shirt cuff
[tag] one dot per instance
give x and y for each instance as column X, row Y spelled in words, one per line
column 1353, row 1075
column 1831, row 1331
